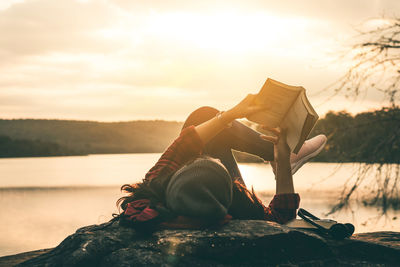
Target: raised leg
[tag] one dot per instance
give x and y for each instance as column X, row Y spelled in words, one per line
column 238, row 137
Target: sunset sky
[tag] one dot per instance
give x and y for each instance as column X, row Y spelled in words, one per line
column 112, row 60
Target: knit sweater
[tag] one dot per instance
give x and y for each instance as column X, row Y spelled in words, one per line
column 184, row 149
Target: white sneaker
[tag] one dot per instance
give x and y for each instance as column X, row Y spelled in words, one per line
column 311, row 148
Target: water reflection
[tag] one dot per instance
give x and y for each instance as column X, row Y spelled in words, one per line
column 45, row 199
column 41, row 218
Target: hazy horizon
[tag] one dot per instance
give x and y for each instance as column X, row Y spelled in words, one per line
column 159, row 119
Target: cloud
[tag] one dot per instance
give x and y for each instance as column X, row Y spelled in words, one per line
column 42, row 26
column 4, row 4
column 121, row 59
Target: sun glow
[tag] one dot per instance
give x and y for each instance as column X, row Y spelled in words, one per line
column 224, row 31
column 220, row 32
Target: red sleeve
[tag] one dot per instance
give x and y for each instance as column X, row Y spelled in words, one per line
column 282, row 208
column 185, row 148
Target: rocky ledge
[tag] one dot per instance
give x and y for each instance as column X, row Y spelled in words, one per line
column 239, row 243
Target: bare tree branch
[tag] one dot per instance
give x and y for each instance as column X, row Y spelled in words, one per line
column 376, row 66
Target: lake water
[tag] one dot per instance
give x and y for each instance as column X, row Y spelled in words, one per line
column 45, row 199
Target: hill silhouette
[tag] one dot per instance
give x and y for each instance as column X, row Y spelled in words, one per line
column 63, row 137
column 366, row 137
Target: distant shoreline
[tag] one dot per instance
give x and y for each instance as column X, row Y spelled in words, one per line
column 350, row 137
column 240, row 157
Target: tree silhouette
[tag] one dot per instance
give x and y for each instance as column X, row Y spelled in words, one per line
column 376, row 61
column 376, row 66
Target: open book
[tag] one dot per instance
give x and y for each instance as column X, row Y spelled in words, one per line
column 288, row 107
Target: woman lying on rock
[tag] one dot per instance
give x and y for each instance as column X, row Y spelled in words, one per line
column 196, row 183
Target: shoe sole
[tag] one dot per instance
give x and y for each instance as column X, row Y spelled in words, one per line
column 304, row 160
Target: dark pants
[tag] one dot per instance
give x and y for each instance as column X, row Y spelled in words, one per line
column 238, row 137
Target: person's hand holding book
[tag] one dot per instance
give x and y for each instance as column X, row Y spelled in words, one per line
column 281, row 148
column 245, row 108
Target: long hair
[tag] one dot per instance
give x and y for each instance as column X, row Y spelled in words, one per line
column 154, row 190
column 245, row 204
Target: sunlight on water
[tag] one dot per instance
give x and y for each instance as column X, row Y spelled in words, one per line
column 93, row 170
column 45, row 199
column 310, row 177
column 41, row 218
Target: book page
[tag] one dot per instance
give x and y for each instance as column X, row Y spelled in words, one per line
column 299, row 121
column 277, row 98
column 309, row 124
column 294, row 122
column 308, row 106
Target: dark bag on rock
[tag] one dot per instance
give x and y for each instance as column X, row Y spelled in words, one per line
column 323, row 227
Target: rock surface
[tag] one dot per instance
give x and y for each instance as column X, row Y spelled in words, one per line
column 240, row 243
